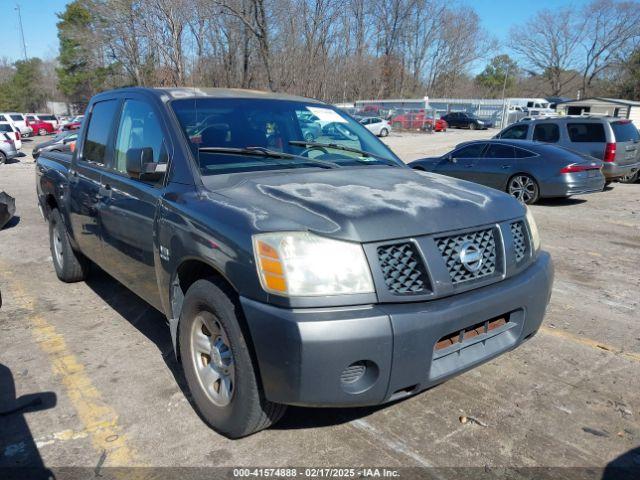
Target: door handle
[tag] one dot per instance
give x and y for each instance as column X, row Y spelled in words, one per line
column 505, row 166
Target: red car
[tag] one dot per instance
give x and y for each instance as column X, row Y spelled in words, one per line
column 40, row 127
column 69, row 126
column 417, row 121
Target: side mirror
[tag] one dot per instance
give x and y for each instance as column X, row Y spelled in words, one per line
column 140, row 164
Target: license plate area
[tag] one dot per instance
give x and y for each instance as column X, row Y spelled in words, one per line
column 475, row 343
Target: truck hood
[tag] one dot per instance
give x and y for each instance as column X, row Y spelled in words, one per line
column 365, row 204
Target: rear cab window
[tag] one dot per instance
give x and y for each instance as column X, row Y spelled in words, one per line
column 625, row 131
column 586, row 132
column 99, row 130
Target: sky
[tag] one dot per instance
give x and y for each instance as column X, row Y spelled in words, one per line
column 39, row 21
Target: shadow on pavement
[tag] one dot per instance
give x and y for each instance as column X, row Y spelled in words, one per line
column 12, row 223
column 625, row 467
column 560, row 202
column 19, row 455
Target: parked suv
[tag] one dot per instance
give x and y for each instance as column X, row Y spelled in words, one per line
column 613, row 140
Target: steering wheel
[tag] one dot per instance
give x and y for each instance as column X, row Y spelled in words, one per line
column 305, row 152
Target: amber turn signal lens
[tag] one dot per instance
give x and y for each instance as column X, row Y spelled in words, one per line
column 271, row 269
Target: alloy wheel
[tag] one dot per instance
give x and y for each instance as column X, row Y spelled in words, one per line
column 524, row 188
column 213, row 359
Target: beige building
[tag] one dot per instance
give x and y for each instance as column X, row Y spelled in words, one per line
column 613, row 107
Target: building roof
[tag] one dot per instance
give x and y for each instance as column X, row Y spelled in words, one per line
column 615, row 101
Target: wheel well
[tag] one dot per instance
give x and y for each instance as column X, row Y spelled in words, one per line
column 418, row 167
column 191, row 271
column 51, row 204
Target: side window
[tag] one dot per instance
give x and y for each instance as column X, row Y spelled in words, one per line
column 546, row 132
column 95, row 144
column 586, row 132
column 138, row 128
column 497, row 150
column 521, row 153
column 470, row 151
column 517, row 132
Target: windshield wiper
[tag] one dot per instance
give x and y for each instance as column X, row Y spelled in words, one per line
column 342, row 147
column 265, row 152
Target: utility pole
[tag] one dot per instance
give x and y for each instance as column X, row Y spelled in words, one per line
column 505, row 111
column 24, row 45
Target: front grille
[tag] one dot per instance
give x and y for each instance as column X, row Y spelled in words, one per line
column 520, row 244
column 402, row 269
column 451, row 246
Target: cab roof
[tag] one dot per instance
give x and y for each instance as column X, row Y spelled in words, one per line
column 167, row 94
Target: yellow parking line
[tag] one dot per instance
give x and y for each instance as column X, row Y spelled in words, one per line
column 98, row 418
column 589, row 342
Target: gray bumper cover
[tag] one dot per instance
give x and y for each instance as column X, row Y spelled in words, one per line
column 301, row 353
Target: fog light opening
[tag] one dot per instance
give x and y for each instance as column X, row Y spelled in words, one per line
column 359, row 377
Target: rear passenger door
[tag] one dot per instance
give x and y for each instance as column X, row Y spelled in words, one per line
column 493, row 168
column 128, row 212
column 85, row 178
column 587, row 137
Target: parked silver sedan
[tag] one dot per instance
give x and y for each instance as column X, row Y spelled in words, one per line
column 527, row 170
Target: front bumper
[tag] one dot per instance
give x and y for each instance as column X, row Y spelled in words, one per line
column 612, row 170
column 303, row 353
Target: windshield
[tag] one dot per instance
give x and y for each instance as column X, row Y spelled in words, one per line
column 307, row 130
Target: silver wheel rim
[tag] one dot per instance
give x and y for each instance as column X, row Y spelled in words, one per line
column 523, row 188
column 42, row 131
column 213, row 359
column 57, row 244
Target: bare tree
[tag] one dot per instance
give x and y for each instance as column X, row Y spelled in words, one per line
column 549, row 43
column 611, row 33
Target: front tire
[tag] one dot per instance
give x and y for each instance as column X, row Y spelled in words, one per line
column 524, row 188
column 70, row 266
column 472, row 126
column 218, row 364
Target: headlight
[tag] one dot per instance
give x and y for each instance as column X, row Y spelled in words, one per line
column 303, row 264
column 533, row 229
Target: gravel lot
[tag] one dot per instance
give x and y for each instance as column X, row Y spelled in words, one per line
column 568, row 398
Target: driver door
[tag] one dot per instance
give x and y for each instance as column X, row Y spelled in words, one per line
column 460, row 162
column 128, row 212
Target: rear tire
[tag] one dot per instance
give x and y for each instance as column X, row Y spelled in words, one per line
column 384, row 132
column 42, row 132
column 524, row 188
column 631, row 178
column 70, row 266
column 218, row 364
column 3, row 158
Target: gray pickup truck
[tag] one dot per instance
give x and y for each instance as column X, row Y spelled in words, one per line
column 292, row 271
